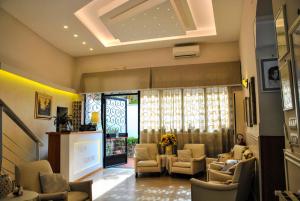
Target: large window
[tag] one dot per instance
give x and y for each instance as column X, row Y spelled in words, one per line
column 206, row 109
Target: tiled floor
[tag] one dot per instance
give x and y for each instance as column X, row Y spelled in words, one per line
column 119, row 184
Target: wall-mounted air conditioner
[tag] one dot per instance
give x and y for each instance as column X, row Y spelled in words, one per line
column 186, row 51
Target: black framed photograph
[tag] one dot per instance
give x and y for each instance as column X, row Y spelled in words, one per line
column 252, row 100
column 270, row 75
column 286, row 86
column 43, row 106
column 247, row 112
column 281, row 33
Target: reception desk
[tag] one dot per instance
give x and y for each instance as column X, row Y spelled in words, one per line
column 75, row 154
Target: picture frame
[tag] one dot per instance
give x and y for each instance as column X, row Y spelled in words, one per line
column 286, row 86
column 247, row 112
column 252, row 100
column 281, row 30
column 43, row 106
column 270, row 77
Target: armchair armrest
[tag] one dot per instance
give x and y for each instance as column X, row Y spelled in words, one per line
column 213, row 185
column 53, row 196
column 198, row 159
column 216, row 165
column 158, row 159
column 215, row 175
column 84, row 186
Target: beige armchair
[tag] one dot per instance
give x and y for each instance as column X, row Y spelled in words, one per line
column 152, row 163
column 237, row 189
column 215, row 169
column 196, row 165
column 27, row 175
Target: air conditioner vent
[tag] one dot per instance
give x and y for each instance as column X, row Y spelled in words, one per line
column 186, row 51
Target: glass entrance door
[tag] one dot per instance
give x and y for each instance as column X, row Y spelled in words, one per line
column 114, row 130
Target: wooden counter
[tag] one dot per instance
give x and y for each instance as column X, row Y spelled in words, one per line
column 75, row 154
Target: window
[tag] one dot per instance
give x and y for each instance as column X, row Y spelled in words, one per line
column 92, row 104
column 206, row 109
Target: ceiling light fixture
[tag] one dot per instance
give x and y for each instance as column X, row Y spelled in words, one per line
column 91, row 49
column 83, row 43
column 75, row 35
column 66, row 26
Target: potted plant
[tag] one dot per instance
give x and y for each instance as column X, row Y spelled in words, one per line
column 64, row 123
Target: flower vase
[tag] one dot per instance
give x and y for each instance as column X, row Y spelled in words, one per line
column 169, row 150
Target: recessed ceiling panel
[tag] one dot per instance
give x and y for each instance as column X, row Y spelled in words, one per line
column 124, row 22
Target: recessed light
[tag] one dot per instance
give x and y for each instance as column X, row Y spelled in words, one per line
column 91, row 49
column 158, row 24
column 169, row 9
column 157, row 8
column 83, row 43
column 66, row 26
column 75, row 35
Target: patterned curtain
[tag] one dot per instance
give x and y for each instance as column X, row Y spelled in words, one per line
column 171, row 111
column 150, row 115
column 193, row 109
column 217, row 108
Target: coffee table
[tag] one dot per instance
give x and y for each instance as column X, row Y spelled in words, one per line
column 27, row 196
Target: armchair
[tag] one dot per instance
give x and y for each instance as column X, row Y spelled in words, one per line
column 27, row 175
column 215, row 165
column 196, row 165
column 150, row 164
column 237, row 189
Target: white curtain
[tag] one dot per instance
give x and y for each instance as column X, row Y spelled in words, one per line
column 150, row 114
column 217, row 108
column 171, row 111
column 194, row 109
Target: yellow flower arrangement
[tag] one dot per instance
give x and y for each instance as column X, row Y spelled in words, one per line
column 168, row 139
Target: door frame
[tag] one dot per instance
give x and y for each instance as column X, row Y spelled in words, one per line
column 103, row 95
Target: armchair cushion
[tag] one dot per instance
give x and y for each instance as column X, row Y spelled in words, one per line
column 182, row 164
column 184, row 155
column 142, row 154
column 147, row 163
column 53, row 196
column 198, row 150
column 53, row 183
column 77, row 196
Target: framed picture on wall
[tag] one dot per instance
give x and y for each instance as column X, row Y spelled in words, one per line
column 247, row 112
column 286, row 86
column 43, row 106
column 270, row 75
column 252, row 100
column 281, row 33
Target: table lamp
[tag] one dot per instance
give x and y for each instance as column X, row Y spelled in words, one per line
column 95, row 118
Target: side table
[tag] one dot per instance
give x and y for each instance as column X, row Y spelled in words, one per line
column 27, row 196
column 165, row 162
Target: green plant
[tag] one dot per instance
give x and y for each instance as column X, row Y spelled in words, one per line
column 132, row 140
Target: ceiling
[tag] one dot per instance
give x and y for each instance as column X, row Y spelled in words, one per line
column 74, row 25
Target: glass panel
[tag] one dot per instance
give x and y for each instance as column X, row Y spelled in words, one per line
column 115, row 146
column 115, row 116
column 92, row 104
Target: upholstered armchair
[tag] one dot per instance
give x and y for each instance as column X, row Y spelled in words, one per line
column 146, row 159
column 196, row 163
column 28, row 176
column 236, row 189
column 215, row 170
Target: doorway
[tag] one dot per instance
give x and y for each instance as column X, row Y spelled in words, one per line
column 120, row 123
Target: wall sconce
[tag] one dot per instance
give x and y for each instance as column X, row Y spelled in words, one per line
column 245, row 83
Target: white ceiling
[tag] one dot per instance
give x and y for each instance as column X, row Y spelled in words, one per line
column 47, row 18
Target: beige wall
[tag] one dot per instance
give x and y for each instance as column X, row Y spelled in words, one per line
column 248, row 61
column 23, row 49
column 209, row 53
column 26, row 52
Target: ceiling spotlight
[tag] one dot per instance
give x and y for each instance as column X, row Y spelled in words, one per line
column 83, row 43
column 158, row 24
column 91, row 49
column 66, row 26
column 157, row 8
column 75, row 35
column 169, row 9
